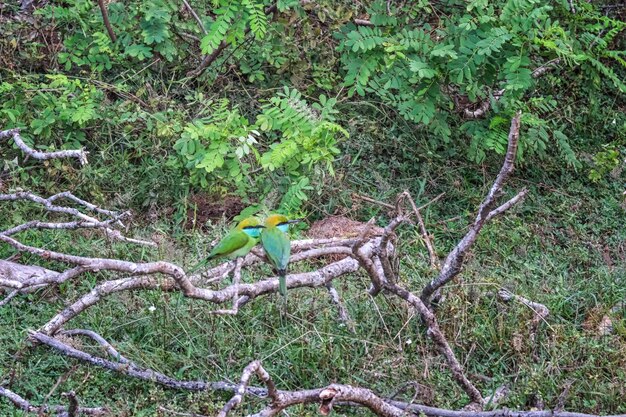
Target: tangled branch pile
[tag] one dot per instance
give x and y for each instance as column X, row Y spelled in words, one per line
column 370, row 253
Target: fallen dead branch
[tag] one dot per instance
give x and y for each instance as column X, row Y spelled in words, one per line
column 334, row 395
column 85, row 221
column 80, row 154
column 57, row 410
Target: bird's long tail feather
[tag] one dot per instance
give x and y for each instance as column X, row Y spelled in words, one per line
column 200, row 265
column 282, row 283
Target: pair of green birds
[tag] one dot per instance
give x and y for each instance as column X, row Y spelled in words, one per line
column 274, row 239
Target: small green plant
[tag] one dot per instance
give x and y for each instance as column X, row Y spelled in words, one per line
column 231, row 19
column 291, row 142
column 604, row 162
column 60, row 108
column 218, row 147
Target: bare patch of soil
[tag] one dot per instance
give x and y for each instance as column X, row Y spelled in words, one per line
column 203, row 208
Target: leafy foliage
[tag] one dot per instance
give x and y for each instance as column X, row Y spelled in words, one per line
column 231, row 20
column 424, row 70
column 289, row 137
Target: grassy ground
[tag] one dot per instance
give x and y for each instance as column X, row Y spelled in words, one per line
column 563, row 247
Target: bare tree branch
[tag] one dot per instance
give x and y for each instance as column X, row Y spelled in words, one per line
column 333, row 395
column 253, row 368
column 434, row 260
column 454, row 261
column 372, row 254
column 57, row 410
column 15, row 134
column 108, row 348
column 135, row 371
column 87, row 221
column 313, row 279
column 14, row 275
column 9, row 297
column 440, row 412
column 441, row 342
column 343, row 311
column 236, row 300
column 383, row 247
column 504, row 207
column 101, row 291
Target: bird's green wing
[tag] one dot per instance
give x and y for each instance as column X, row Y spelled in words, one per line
column 245, row 249
column 277, row 247
column 233, row 241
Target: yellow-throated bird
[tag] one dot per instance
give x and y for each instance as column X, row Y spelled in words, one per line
column 238, row 242
column 277, row 247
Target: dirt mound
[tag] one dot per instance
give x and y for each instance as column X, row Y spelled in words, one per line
column 340, row 226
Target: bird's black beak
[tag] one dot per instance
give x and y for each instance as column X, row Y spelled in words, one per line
column 294, row 221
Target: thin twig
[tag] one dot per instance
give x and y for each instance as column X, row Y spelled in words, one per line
column 343, row 311
column 209, row 59
column 253, row 368
column 49, row 204
column 440, row 340
column 498, row 94
column 371, row 200
column 109, row 349
column 236, row 279
column 434, row 260
column 195, row 16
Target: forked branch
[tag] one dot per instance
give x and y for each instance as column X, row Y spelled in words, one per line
column 454, row 261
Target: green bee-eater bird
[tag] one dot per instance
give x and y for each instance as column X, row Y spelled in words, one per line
column 277, row 247
column 238, row 242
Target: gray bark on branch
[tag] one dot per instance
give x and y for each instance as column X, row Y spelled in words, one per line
column 372, row 254
column 57, row 410
column 80, row 154
column 327, row 397
column 86, row 221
